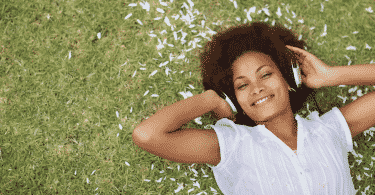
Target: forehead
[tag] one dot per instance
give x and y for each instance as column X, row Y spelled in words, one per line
column 250, row 61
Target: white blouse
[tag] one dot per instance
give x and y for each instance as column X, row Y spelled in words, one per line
column 255, row 161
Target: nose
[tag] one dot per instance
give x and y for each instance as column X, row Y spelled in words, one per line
column 257, row 89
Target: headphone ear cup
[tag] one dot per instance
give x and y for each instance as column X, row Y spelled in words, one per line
column 234, row 110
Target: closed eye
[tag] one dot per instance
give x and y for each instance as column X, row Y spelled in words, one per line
column 246, row 84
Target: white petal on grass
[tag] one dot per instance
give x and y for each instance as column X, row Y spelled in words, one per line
column 180, row 187
column 164, row 63
column 279, row 12
column 212, row 189
column 325, row 31
column 235, row 4
column 301, row 21
column 127, row 163
column 369, row 9
column 153, row 73
column 343, row 98
column 289, row 20
column 238, row 19
column 355, row 32
column 120, row 126
column 198, row 120
column 359, row 93
column 131, row 109
column 142, row 68
column 163, row 3
column 192, row 179
column 158, row 18
column 175, row 16
column 350, row 48
column 147, row 180
column 70, row 54
column 368, row 47
column 117, row 114
column 99, row 35
column 118, row 134
column 175, row 35
column 191, row 86
column 192, row 189
column 266, row 11
column 166, row 71
column 178, row 167
column 152, row 166
column 163, row 32
column 160, row 46
column 196, row 184
column 351, row 90
column 134, row 73
column 186, row 94
column 96, row 189
column 286, row 8
column 251, row 10
column 359, row 178
column 294, row 14
column 132, row 4
column 154, row 95
column 166, row 20
column 160, row 10
column 194, row 171
column 128, row 16
column 145, row 6
column 322, row 7
column 191, row 4
column 75, row 173
column 48, row 16
column 182, row 56
column 203, row 171
column 152, row 35
column 139, row 22
column 173, row 179
column 159, row 180
column 162, row 171
column 146, row 92
column 87, row 179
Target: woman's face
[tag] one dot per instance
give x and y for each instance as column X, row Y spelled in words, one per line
column 255, row 77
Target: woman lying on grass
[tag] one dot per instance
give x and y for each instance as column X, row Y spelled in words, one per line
column 256, row 151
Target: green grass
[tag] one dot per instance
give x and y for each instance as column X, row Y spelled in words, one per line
column 59, row 132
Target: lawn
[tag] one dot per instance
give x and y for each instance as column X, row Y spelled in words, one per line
column 76, row 78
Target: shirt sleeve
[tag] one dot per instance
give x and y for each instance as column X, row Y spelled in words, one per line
column 337, row 121
column 228, row 137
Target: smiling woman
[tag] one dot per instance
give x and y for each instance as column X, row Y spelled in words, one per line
column 258, row 150
column 267, row 44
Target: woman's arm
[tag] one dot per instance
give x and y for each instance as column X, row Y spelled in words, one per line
column 363, row 74
column 174, row 116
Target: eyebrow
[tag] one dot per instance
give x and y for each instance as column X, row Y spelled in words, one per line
column 240, row 77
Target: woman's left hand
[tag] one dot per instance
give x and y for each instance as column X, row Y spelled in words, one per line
column 317, row 72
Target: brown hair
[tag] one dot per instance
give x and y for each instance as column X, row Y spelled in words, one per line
column 226, row 46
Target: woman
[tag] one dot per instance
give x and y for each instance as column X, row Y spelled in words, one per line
column 256, row 153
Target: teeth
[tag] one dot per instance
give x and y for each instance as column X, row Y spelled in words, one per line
column 260, row 101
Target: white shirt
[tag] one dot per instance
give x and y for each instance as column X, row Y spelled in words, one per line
column 255, row 161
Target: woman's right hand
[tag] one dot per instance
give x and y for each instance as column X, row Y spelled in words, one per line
column 223, row 109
